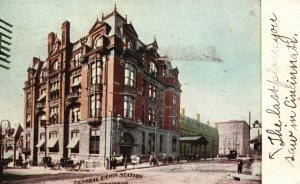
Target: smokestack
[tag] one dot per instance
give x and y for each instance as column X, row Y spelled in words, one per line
column 183, row 112
column 198, row 117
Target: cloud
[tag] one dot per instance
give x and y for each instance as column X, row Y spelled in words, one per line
column 191, row 53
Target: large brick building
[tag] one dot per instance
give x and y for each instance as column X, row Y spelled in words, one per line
column 106, row 93
column 234, row 135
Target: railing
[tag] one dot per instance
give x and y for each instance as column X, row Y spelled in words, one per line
column 40, row 105
column 73, row 95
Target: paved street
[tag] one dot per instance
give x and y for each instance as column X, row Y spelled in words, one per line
column 206, row 172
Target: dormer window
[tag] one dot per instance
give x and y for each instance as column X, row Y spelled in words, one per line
column 77, row 57
column 98, row 42
column 153, row 69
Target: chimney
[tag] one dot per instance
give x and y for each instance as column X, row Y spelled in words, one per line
column 51, row 39
column 65, row 33
column 183, row 112
column 198, row 117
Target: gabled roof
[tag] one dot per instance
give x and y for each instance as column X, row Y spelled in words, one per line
column 99, row 24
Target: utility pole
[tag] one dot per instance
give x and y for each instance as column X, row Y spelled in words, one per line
column 4, row 50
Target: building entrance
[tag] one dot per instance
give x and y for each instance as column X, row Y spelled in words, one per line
column 126, row 145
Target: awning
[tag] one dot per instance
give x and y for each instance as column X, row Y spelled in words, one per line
column 74, row 142
column 41, row 143
column 194, row 139
column 52, row 142
column 42, row 97
column 76, row 83
column 8, row 154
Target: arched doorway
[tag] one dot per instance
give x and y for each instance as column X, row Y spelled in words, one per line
column 126, row 145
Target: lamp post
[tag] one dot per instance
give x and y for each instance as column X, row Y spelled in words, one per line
column 1, row 160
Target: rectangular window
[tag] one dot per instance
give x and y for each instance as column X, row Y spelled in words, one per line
column 152, row 92
column 174, row 122
column 95, row 105
column 28, row 100
column 28, row 120
column 128, row 106
column 77, row 59
column 152, row 117
column 96, row 72
column 130, row 74
column 27, row 141
column 76, row 85
column 95, row 141
column 54, row 90
column 174, row 99
column 53, row 118
column 75, row 114
column 52, row 144
column 160, row 143
column 75, row 141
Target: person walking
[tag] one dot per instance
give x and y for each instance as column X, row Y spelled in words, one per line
column 240, row 166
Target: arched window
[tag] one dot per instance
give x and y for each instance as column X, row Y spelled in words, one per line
column 98, row 42
column 153, row 69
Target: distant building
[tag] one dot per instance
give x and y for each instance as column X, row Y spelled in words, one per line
column 13, row 143
column 105, row 93
column 234, row 135
column 197, row 138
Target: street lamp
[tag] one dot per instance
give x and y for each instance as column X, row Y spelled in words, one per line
column 1, row 160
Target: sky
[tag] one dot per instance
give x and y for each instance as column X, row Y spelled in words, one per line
column 215, row 44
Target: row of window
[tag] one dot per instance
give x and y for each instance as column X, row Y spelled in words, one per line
column 152, row 141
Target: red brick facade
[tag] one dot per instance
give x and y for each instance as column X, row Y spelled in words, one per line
column 108, row 78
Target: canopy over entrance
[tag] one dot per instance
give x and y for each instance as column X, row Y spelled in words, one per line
column 194, row 140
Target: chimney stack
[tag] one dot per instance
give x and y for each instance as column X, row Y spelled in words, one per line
column 65, row 33
column 198, row 117
column 183, row 112
column 51, row 39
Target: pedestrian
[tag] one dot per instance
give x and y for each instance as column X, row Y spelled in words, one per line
column 240, row 166
column 125, row 162
column 151, row 159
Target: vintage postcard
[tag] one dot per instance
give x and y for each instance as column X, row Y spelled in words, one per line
column 112, row 91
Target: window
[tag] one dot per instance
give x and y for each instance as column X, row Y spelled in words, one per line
column 55, row 65
column 53, row 118
column 76, row 85
column 151, row 142
column 152, row 92
column 174, row 143
column 28, row 119
column 153, row 69
column 52, row 144
column 28, row 100
column 54, row 90
column 129, row 45
column 143, row 114
column 98, row 42
column 152, row 117
column 42, row 138
column 130, row 74
column 95, row 141
column 27, row 141
column 77, row 57
column 96, row 72
column 95, row 105
column 163, row 72
column 74, row 114
column 174, row 99
column 174, row 122
column 128, row 106
column 75, row 139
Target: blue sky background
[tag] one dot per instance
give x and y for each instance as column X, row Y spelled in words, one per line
column 185, row 30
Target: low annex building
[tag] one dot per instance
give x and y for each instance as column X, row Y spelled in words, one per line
column 197, row 138
column 105, row 93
